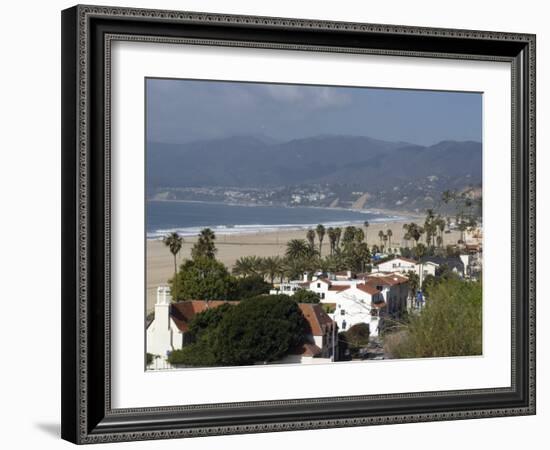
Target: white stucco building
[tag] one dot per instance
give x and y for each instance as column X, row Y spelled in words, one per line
column 394, row 288
column 359, row 303
column 405, row 265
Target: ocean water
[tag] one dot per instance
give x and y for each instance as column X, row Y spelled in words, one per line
column 188, row 218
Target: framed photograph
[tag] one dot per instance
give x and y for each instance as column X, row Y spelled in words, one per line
column 279, row 224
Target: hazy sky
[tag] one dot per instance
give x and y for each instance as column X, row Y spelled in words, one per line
column 187, row 110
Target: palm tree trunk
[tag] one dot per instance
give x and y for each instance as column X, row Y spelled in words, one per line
column 175, row 296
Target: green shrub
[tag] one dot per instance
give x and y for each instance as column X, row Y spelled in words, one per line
column 449, row 325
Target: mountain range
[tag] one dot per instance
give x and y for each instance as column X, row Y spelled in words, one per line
column 250, row 161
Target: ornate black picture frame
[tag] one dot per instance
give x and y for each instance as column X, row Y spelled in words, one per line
column 87, row 33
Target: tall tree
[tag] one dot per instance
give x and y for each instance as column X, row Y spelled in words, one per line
column 381, row 237
column 389, row 234
column 297, row 249
column 366, row 224
column 310, row 235
column 338, row 232
column 321, row 235
column 174, row 243
column 332, row 239
column 204, row 247
column 414, row 231
column 272, row 267
column 203, row 279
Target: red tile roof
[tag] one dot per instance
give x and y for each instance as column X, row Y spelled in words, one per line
column 318, row 320
column 182, row 312
column 369, row 289
column 339, row 287
column 387, row 280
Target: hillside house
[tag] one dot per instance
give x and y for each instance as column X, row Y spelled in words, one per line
column 169, row 329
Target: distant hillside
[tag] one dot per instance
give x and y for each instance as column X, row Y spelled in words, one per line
column 250, row 162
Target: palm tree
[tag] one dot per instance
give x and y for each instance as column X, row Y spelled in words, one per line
column 310, row 235
column 366, row 225
column 349, row 235
column 441, row 225
column 385, row 239
column 174, row 243
column 246, row 266
column 381, row 237
column 414, row 231
column 297, row 249
column 294, row 267
column 390, row 234
column 332, row 239
column 338, row 232
column 272, row 266
column 321, row 235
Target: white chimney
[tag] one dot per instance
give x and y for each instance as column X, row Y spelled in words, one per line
column 162, row 308
column 305, row 276
column 159, row 335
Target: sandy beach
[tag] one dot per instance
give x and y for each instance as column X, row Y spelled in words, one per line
column 160, row 265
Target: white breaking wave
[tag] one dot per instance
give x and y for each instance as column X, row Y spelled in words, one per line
column 261, row 228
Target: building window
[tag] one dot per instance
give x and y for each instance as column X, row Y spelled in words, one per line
column 342, row 312
column 322, row 295
column 344, row 325
column 319, row 285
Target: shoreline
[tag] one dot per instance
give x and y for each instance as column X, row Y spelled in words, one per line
column 246, row 229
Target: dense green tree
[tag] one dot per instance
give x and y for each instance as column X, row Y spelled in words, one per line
column 174, row 243
column 260, row 329
column 197, row 354
column 306, row 296
column 250, row 286
column 203, row 278
column 204, row 247
column 207, row 319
